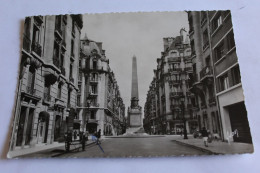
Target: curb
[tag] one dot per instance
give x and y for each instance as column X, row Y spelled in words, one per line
column 196, row 147
column 59, row 154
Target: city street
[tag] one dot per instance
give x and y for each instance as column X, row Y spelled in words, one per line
column 136, row 147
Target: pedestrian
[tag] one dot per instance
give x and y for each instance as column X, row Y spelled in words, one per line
column 83, row 140
column 98, row 136
column 75, row 135
column 205, row 136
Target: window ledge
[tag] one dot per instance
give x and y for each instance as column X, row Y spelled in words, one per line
column 222, row 58
column 229, row 89
column 216, row 30
column 225, row 18
column 231, row 50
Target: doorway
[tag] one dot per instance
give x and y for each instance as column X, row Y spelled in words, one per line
column 239, row 123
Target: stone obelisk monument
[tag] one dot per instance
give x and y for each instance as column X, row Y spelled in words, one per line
column 134, row 111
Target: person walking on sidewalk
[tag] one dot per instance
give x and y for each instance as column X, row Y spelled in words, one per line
column 205, row 136
column 98, row 136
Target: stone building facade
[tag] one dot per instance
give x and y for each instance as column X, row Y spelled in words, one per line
column 218, row 75
column 99, row 103
column 169, row 103
column 203, row 83
column 47, row 86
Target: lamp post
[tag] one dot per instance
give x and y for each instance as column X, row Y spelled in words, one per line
column 183, row 116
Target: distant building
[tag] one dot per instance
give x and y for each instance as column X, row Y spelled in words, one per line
column 48, row 80
column 164, row 112
column 99, row 103
column 217, row 84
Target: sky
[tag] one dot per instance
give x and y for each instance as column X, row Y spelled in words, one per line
column 127, row 34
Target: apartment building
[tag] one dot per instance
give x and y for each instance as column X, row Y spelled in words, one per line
column 46, row 97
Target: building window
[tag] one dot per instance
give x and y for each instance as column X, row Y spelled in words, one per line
column 93, row 89
column 71, row 69
column 58, row 24
column 56, row 54
column 72, row 48
column 59, row 91
column 191, row 24
column 31, row 81
column 78, row 100
column 223, row 82
column 230, row 40
column 205, row 39
column 47, row 93
column 69, row 95
column 219, row 51
column 216, row 22
column 92, row 115
column 203, row 17
column 235, row 73
column 94, row 64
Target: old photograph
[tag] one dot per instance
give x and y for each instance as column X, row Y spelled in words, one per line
column 143, row 84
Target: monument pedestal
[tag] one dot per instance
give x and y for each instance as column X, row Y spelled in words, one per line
column 135, row 117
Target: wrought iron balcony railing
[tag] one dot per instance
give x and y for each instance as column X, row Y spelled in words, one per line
column 72, row 79
column 205, row 45
column 26, row 43
column 37, row 48
column 212, row 100
column 205, row 71
column 30, row 90
column 63, row 72
column 56, row 61
column 47, row 97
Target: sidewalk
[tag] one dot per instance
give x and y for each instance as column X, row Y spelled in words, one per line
column 217, row 147
column 50, row 150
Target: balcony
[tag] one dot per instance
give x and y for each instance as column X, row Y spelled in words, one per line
column 206, row 72
column 203, row 105
column 63, row 72
column 46, row 98
column 39, row 19
column 175, row 107
column 203, row 21
column 195, row 107
column 206, row 45
column 30, row 90
column 72, row 56
column 37, row 48
column 26, row 43
column 58, row 31
column 63, row 44
column 189, row 94
column 59, row 103
column 56, row 61
column 93, row 93
column 193, row 54
column 212, row 101
column 94, row 105
column 176, row 70
column 176, row 94
column 71, row 79
column 175, row 82
column 93, row 80
column 191, row 31
column 188, row 69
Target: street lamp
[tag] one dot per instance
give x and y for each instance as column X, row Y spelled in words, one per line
column 183, row 116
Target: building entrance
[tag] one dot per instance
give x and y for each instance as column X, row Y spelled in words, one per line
column 239, row 123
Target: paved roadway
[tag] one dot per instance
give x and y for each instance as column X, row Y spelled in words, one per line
column 136, row 147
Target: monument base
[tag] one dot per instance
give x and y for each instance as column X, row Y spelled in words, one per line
column 135, row 117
